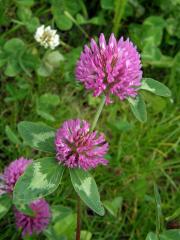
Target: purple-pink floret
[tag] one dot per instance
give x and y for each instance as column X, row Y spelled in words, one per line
column 110, row 68
column 34, row 224
column 78, row 147
column 14, row 171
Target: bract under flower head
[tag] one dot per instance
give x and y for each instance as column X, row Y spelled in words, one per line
column 110, row 68
column 77, row 147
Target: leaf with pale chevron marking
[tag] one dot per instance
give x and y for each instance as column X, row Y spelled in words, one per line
column 5, row 204
column 37, row 135
column 155, row 87
column 41, row 178
column 85, row 186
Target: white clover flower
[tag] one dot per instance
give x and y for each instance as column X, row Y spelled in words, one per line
column 47, row 37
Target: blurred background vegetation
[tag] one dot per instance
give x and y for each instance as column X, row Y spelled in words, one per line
column 39, row 85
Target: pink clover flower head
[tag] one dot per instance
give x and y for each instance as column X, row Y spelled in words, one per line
column 14, row 171
column 78, row 147
column 110, row 68
column 34, row 224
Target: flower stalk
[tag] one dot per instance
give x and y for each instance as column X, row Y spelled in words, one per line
column 78, row 229
column 98, row 113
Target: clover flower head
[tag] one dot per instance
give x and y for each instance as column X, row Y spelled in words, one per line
column 13, row 172
column 78, row 147
column 110, row 68
column 47, row 37
column 33, row 224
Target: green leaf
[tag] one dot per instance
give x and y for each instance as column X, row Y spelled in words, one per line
column 45, row 69
column 15, row 93
column 37, row 135
column 24, row 208
column 153, row 55
column 173, row 216
column 135, row 32
column 29, row 60
column 66, row 226
column 138, row 108
column 14, row 45
column 155, row 87
column 63, row 223
column 113, row 206
column 49, row 99
column 45, row 115
column 151, row 236
column 148, row 36
column 25, row 15
column 120, row 125
column 59, row 212
column 33, row 24
column 50, row 61
column 46, row 104
column 173, row 234
column 11, row 135
column 5, row 204
column 98, row 20
column 107, row 4
column 12, row 68
column 85, row 186
column 51, row 235
column 17, row 58
column 26, row 3
column 85, row 235
column 54, row 58
column 63, row 22
column 41, row 178
column 157, row 103
column 58, row 9
column 152, row 30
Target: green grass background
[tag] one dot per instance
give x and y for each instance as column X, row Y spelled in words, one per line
column 140, row 154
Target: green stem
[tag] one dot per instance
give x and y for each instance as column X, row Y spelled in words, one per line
column 65, row 45
column 98, row 113
column 78, row 229
column 76, row 23
column 119, row 8
column 83, row 7
column 15, row 28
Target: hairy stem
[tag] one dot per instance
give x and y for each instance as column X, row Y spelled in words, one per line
column 98, row 113
column 78, row 229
